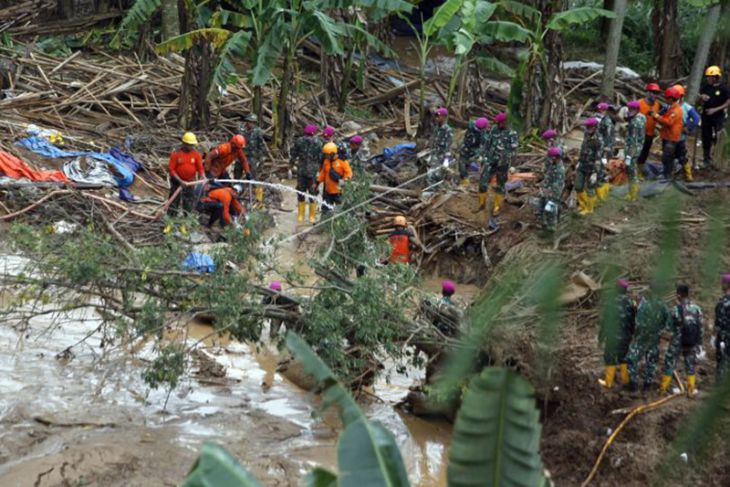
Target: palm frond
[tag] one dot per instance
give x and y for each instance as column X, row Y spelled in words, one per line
column 235, row 47
column 216, row 37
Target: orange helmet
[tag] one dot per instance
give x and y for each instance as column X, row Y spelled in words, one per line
column 672, row 93
column 238, row 140
column 679, row 89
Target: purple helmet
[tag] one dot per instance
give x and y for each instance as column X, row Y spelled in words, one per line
column 622, row 283
column 634, row 105
column 442, row 112
column 591, row 122
column 481, row 123
column 726, row 278
column 549, row 134
column 328, row 131
column 275, row 286
column 500, row 117
column 603, row 106
column 448, row 287
column 310, row 129
column 554, row 152
column 356, row 139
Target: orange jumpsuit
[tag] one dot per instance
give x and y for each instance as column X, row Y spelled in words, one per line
column 227, row 198
column 218, row 160
column 331, row 173
column 672, row 123
column 400, row 241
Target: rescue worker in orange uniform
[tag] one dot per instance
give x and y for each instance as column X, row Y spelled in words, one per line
column 219, row 159
column 334, row 171
column 400, row 242
column 185, row 166
column 671, row 122
column 648, row 104
column 223, row 205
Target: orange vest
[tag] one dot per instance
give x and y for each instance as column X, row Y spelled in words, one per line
column 400, row 242
column 223, row 156
column 672, row 123
column 645, row 108
column 341, row 167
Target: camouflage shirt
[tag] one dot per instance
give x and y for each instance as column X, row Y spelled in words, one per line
column 440, row 144
column 472, row 144
column 307, row 154
column 343, row 150
column 255, row 144
column 635, row 132
column 553, row 180
column 680, row 313
column 359, row 159
column 624, row 329
column 607, row 134
column 652, row 317
column 591, row 151
column 722, row 319
column 501, row 147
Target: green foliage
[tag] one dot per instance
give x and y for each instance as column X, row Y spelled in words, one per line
column 136, row 17
column 167, row 368
column 236, row 46
column 579, row 15
column 494, row 65
column 442, row 16
column 497, row 434
column 216, row 467
column 505, row 31
column 320, row 477
column 215, row 36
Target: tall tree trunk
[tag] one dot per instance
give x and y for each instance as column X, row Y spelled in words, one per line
column 707, row 34
column 606, row 23
column 346, row 80
column 283, row 102
column 102, row 6
column 258, row 101
column 667, row 46
column 65, row 8
column 170, row 20
column 194, row 111
column 612, row 48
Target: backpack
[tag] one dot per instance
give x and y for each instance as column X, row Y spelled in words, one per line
column 689, row 327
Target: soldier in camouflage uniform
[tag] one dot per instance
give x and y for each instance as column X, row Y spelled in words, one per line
column 255, row 151
column 722, row 329
column 615, row 334
column 687, row 333
column 586, row 177
column 498, row 156
column 550, row 136
column 607, row 132
column 652, row 317
column 471, row 146
column 634, row 142
column 359, row 156
column 553, row 183
column 307, row 155
column 440, row 145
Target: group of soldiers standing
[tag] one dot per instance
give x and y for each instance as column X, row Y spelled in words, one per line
column 631, row 334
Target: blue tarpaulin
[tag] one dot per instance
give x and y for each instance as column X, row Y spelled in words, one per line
column 397, row 149
column 197, row 262
column 123, row 169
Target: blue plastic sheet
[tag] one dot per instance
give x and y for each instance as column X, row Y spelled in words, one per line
column 124, row 175
column 397, row 149
column 197, row 262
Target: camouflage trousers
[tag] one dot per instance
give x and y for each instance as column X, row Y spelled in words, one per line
column 690, row 359
column 583, row 182
column 549, row 219
column 501, row 173
column 638, row 351
column 436, row 171
column 616, row 352
column 464, row 162
column 631, row 171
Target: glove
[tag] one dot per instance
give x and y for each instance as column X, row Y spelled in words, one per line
column 604, row 161
column 593, row 179
column 628, row 160
column 289, row 174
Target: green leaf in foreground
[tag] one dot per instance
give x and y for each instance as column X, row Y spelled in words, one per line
column 215, row 467
column 497, row 434
column 320, row 477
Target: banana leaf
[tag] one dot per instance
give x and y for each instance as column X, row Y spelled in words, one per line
column 521, row 10
column 442, row 16
column 494, row 65
column 320, row 477
column 269, row 52
column 215, row 467
column 504, row 31
column 579, row 15
column 216, row 37
column 136, row 16
column 235, row 47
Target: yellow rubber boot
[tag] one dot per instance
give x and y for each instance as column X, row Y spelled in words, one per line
column 633, row 192
column 464, row 182
column 498, row 199
column 624, row 368
column 259, row 192
column 584, row 203
column 607, row 382
column 482, row 200
column 666, row 380
column 312, row 212
column 592, row 201
column 301, row 207
column 605, row 188
column 691, row 390
column 688, row 172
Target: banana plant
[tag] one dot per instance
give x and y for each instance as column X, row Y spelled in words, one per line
column 496, row 438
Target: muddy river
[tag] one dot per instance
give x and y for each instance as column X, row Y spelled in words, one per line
column 89, row 419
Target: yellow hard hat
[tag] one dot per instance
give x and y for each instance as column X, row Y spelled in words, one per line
column 399, row 221
column 330, row 148
column 190, row 138
column 713, row 71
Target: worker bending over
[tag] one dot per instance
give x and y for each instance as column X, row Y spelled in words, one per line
column 687, row 326
column 648, row 104
column 223, row 205
column 671, row 130
column 607, row 132
column 440, row 145
column 553, row 183
column 635, row 133
column 498, row 156
column 722, row 329
column 186, row 167
column 586, row 176
column 254, row 149
column 306, row 156
column 401, row 242
column 472, row 146
column 714, row 99
column 617, row 328
column 334, row 171
column 219, row 159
